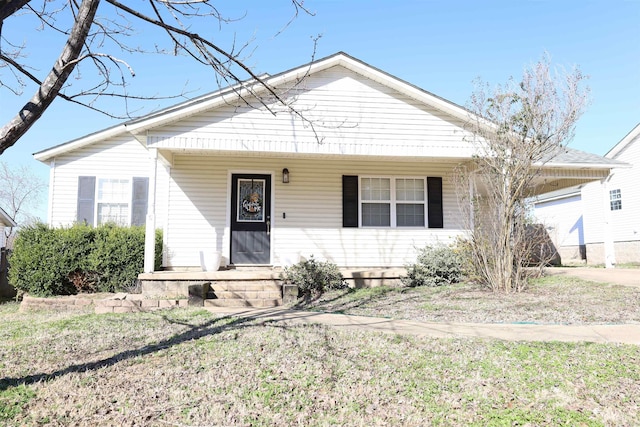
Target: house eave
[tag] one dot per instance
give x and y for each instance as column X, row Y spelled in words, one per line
column 620, row 146
column 598, row 166
column 49, row 153
column 6, row 220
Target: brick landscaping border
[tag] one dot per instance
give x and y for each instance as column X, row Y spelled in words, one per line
column 119, row 303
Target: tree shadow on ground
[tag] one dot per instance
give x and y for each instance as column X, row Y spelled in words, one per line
column 215, row 326
column 341, row 301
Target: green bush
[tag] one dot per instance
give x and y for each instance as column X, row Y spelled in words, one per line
column 61, row 261
column 435, row 266
column 313, row 277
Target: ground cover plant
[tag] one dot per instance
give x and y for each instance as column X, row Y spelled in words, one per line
column 547, row 300
column 189, row 367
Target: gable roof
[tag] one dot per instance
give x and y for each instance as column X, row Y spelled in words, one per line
column 6, row 220
column 139, row 127
column 624, row 143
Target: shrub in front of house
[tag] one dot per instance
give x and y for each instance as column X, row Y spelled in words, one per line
column 314, row 277
column 61, row 261
column 436, row 265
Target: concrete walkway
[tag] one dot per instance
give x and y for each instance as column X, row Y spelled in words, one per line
column 626, row 334
column 619, row 276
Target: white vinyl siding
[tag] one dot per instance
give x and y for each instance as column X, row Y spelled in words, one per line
column 117, row 158
column 351, row 115
column 626, row 221
column 307, row 212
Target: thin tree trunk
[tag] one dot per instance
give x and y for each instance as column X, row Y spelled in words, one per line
column 52, row 84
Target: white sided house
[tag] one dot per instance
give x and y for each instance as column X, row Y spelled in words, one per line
column 5, row 222
column 599, row 222
column 362, row 177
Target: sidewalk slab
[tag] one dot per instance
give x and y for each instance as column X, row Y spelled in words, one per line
column 618, row 276
column 623, row 334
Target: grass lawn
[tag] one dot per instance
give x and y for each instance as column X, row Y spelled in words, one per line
column 188, row 367
column 549, row 300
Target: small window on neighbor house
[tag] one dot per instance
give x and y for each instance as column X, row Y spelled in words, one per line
column 615, row 200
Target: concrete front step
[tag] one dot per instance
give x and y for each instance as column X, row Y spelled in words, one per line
column 237, row 302
column 245, row 285
column 243, row 294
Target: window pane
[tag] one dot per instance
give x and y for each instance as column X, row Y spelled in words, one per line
column 113, row 189
column 615, row 199
column 410, row 215
column 376, row 214
column 113, row 212
column 376, row 189
column 410, row 189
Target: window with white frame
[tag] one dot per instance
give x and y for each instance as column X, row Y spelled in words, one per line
column 392, row 202
column 112, row 200
column 615, row 199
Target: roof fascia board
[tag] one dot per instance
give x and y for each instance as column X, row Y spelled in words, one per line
column 4, row 217
column 620, row 146
column 607, row 165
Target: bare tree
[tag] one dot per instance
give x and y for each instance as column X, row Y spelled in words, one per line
column 99, row 42
column 20, row 192
column 518, row 128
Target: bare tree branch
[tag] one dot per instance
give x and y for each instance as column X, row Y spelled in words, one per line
column 10, row 7
column 99, row 49
column 51, row 86
column 517, row 128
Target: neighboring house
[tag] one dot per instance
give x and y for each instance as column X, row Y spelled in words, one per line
column 363, row 179
column 5, row 221
column 599, row 222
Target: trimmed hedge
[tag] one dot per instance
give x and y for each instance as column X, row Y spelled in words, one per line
column 62, row 261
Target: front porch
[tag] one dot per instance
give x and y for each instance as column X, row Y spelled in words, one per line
column 255, row 287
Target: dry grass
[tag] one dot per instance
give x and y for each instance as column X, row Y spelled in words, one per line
column 550, row 300
column 187, row 367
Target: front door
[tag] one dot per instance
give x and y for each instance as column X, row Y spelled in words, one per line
column 250, row 219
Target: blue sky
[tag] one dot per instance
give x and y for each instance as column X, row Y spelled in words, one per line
column 438, row 45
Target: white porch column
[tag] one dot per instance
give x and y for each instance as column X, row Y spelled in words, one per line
column 150, row 231
column 609, row 248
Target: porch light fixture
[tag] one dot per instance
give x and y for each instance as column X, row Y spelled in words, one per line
column 285, row 176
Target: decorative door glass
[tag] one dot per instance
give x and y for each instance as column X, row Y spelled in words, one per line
column 251, row 200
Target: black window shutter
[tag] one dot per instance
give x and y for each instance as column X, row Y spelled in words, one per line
column 139, row 197
column 434, row 206
column 349, row 201
column 86, row 199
